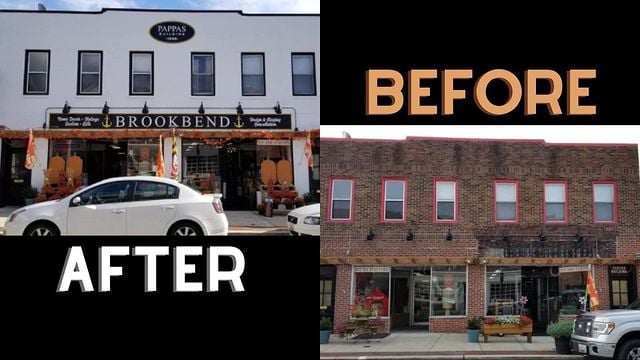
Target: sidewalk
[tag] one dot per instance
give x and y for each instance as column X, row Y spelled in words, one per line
column 425, row 345
column 240, row 222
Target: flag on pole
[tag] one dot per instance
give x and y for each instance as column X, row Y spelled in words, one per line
column 308, row 150
column 592, row 291
column 30, row 160
column 160, row 161
column 174, row 157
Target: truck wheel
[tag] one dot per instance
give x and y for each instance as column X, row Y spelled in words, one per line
column 630, row 350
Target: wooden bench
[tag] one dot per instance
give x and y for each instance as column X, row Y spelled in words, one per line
column 495, row 329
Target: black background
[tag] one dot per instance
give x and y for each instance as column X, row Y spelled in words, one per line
column 277, row 282
column 404, row 35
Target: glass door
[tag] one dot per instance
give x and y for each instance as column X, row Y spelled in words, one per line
column 421, row 297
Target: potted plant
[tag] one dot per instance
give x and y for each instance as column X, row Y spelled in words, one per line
column 325, row 330
column 561, row 332
column 29, row 193
column 474, row 325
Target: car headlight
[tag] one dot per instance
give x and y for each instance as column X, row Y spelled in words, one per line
column 312, row 220
column 14, row 214
column 601, row 328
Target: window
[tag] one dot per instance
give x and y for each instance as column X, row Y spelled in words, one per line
column 106, row 194
column 303, row 71
column 555, row 198
column 253, row 74
column 326, row 293
column 604, row 202
column 506, row 195
column 36, row 72
column 147, row 190
column 446, row 207
column 141, row 157
column 141, row 69
column 89, row 73
column 202, row 74
column 394, row 199
column 341, row 198
column 448, row 293
column 503, row 286
column 370, row 291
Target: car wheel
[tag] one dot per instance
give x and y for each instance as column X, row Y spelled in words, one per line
column 630, row 350
column 41, row 229
column 185, row 229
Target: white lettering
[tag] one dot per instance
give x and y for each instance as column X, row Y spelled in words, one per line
column 75, row 260
column 180, row 268
column 224, row 122
column 211, row 122
column 172, row 122
column 132, row 121
column 119, row 121
column 215, row 275
column 160, row 124
column 106, row 270
column 186, row 121
column 148, row 123
column 150, row 254
column 198, row 121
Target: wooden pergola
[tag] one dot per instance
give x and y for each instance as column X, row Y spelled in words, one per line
column 439, row 260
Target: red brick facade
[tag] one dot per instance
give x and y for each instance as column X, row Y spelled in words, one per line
column 475, row 165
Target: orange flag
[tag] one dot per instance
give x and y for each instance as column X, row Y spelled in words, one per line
column 592, row 291
column 160, row 161
column 30, row 160
column 174, row 157
column 308, row 150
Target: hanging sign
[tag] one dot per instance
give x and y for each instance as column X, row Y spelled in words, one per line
column 169, row 121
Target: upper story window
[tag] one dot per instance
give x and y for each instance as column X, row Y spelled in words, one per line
column 141, row 70
column 303, row 71
column 341, row 199
column 202, row 74
column 253, row 74
column 394, row 198
column 89, row 73
column 604, row 202
column 506, row 196
column 446, row 206
column 555, row 202
column 36, row 72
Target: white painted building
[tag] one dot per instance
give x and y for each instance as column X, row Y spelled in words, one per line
column 173, row 61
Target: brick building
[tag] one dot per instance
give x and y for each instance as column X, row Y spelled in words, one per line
column 431, row 231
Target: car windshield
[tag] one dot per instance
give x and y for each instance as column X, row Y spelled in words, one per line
column 634, row 305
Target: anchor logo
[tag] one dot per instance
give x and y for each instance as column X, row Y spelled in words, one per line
column 239, row 123
column 106, row 123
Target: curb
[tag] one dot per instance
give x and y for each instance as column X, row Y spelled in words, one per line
column 455, row 357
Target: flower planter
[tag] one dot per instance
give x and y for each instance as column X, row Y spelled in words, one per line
column 513, row 329
column 563, row 345
column 324, row 336
column 473, row 335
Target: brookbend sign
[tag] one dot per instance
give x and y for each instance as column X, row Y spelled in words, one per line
column 168, row 121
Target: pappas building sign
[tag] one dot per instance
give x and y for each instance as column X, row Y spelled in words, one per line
column 172, row 31
column 168, row 121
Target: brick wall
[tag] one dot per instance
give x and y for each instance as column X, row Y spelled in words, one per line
column 475, row 165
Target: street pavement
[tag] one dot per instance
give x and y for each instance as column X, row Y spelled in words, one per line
column 426, row 345
column 240, row 222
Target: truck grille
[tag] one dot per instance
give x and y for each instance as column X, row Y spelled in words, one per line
column 582, row 326
column 292, row 219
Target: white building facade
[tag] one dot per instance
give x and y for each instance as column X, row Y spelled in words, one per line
column 232, row 89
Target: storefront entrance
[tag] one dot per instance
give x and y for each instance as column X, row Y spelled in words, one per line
column 105, row 159
column 13, row 175
column 541, row 287
column 238, row 168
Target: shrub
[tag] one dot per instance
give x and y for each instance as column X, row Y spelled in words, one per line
column 474, row 323
column 325, row 324
column 560, row 329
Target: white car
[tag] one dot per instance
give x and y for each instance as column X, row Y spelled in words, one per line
column 305, row 220
column 134, row 205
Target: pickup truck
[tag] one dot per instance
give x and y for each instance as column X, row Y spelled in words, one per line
column 612, row 334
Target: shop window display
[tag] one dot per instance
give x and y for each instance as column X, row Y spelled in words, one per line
column 448, row 295
column 141, row 157
column 371, row 291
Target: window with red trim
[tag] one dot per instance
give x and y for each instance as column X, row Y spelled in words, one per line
column 341, row 199
column 394, row 191
column 555, row 202
column 446, row 200
column 604, row 202
column 506, row 201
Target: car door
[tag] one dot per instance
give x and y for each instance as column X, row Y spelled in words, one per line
column 102, row 210
column 153, row 208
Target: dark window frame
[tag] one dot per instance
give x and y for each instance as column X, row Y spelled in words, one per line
column 264, row 74
column 313, row 59
column 26, row 72
column 135, row 189
column 614, row 186
column 79, row 73
column 131, row 92
column 213, row 74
